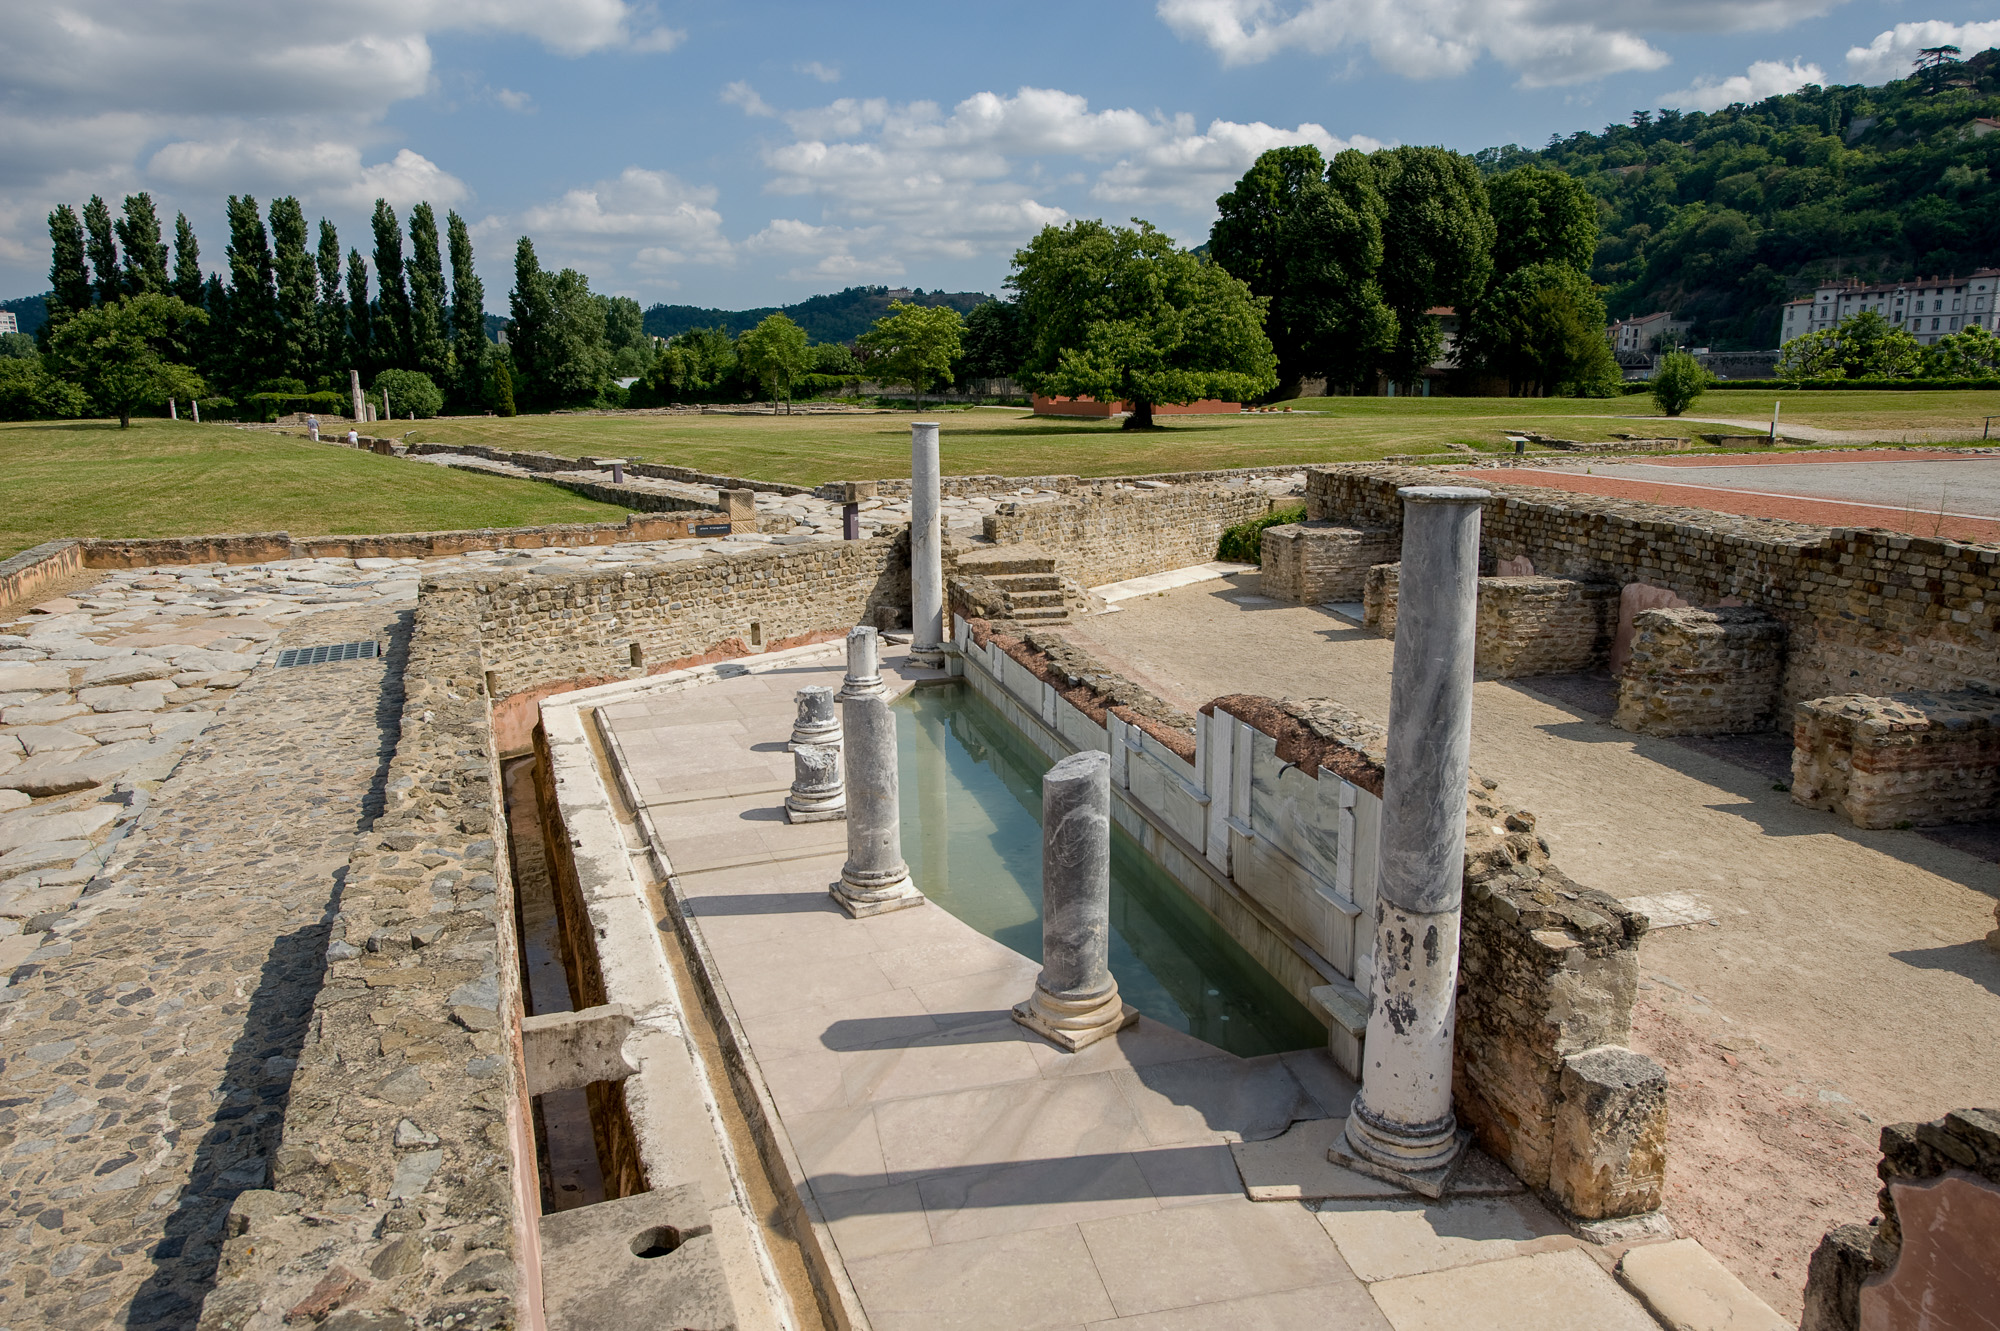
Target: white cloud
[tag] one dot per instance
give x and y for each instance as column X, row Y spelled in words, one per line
column 1188, row 170
column 513, row 101
column 740, row 93
column 1765, row 78
column 1547, row 42
column 824, row 73
column 1892, row 53
column 648, row 214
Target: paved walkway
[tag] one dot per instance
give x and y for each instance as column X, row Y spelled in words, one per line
column 149, row 1041
column 974, row 1176
column 1792, row 1025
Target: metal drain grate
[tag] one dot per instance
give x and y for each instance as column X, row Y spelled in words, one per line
column 326, row 652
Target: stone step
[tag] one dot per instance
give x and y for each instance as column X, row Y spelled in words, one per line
column 1029, row 582
column 996, row 567
column 1040, row 614
column 1020, row 599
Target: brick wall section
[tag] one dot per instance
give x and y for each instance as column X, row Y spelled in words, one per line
column 1108, row 537
column 416, row 1022
column 1525, row 626
column 1378, row 598
column 1863, row 610
column 1701, row 672
column 1314, row 562
column 539, row 629
column 1910, row 758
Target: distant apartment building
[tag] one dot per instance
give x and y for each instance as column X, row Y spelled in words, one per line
column 1928, row 307
column 1639, row 332
column 8, row 323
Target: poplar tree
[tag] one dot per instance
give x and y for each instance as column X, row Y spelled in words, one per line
column 297, row 350
column 103, row 250
column 392, row 301
column 252, row 331
column 69, row 280
column 334, row 359
column 360, row 319
column 145, row 254
column 532, row 306
column 188, row 279
column 468, row 314
column 1437, row 246
column 429, row 352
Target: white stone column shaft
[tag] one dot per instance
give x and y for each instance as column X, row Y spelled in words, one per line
column 926, row 550
column 874, row 879
column 818, row 720
column 1401, row 1126
column 864, row 669
column 354, row 392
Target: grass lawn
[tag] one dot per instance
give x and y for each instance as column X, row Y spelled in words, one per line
column 161, row 478
column 808, row 450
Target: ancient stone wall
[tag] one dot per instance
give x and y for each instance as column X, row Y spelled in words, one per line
column 22, row 576
column 1701, row 672
column 551, row 462
column 1907, row 759
column 539, row 629
column 1525, row 625
column 404, row 1175
column 1378, row 598
column 1315, row 562
column 1108, row 537
column 1864, row 610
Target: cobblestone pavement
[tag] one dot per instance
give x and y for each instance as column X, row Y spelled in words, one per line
column 147, row 1044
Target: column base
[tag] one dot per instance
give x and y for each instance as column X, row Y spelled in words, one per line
column 860, row 903
column 828, row 738
column 833, row 812
column 1431, row 1180
column 1072, row 1026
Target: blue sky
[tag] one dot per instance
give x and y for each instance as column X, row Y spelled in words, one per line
column 760, row 152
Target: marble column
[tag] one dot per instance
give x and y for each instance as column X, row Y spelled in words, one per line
column 818, row 720
column 817, row 794
column 354, row 392
column 874, row 880
column 1401, row 1128
column 864, row 671
column 926, row 553
column 1076, row 1001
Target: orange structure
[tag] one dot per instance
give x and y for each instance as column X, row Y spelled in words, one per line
column 1089, row 406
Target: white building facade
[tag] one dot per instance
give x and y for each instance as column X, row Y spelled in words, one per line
column 1929, row 308
column 8, row 323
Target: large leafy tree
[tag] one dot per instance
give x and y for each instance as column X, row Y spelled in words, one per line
column 1255, row 236
column 119, row 352
column 392, row 300
column 914, row 345
column 1340, row 325
column 1124, row 314
column 298, row 351
column 1542, row 326
column 469, row 343
column 69, row 279
column 1541, row 216
column 625, row 336
column 1864, row 346
column 1437, row 246
column 994, row 341
column 102, row 247
column 430, row 352
column 145, row 254
column 776, row 352
column 556, row 337
column 251, row 351
column 1972, row 354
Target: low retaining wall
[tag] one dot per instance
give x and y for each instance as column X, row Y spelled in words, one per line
column 1111, row 536
column 1910, row 759
column 24, row 575
column 1701, row 672
column 1525, row 626
column 1315, row 562
column 552, row 462
column 1867, row 610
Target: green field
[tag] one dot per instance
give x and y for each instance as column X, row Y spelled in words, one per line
column 808, row 450
column 160, row 478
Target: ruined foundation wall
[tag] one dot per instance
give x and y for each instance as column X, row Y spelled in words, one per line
column 1864, row 610
column 1910, row 758
column 405, row 1173
column 1701, row 672
column 1315, row 562
column 1099, row 538
column 1525, row 625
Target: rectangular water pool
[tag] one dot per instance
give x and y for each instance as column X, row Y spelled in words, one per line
column 972, row 833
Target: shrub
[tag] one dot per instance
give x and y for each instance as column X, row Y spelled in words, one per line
column 503, row 387
column 30, row 393
column 217, row 408
column 410, row 392
column 1244, row 543
column 1678, row 382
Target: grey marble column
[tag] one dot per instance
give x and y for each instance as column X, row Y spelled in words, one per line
column 926, row 553
column 874, row 880
column 1076, row 1003
column 818, row 719
column 1401, row 1127
column 864, row 669
column 817, row 794
column 354, row 392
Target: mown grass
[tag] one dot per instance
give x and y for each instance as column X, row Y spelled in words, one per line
column 161, row 478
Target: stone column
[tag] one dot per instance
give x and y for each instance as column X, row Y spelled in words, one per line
column 194, row 405
column 818, row 720
column 387, row 414
column 1076, row 1001
column 1401, row 1127
column 173, row 410
column 354, row 392
column 926, row 555
column 874, row 880
column 864, row 672
column 817, row 795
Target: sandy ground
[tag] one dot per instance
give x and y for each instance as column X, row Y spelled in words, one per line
column 1846, row 982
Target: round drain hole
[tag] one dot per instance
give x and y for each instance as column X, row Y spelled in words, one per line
column 656, row 1242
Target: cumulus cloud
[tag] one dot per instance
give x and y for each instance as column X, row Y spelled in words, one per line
column 740, row 93
column 330, row 171
column 650, row 214
column 814, row 69
column 1765, row 78
column 1892, row 53
column 1547, row 42
column 513, row 101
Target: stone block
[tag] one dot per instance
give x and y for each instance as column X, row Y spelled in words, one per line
column 1688, row 1290
column 645, row 1261
column 738, row 505
column 565, row 1051
column 1833, row 1279
column 1315, row 562
column 1701, row 672
column 1910, row 758
column 1378, row 598
column 1541, row 626
column 1609, row 1149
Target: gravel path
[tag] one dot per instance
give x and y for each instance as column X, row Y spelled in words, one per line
column 149, row 1040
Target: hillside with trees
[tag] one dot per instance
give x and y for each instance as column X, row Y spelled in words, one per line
column 839, row 317
column 1724, row 216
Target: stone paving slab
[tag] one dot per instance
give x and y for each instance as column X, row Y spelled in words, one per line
column 149, row 1041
